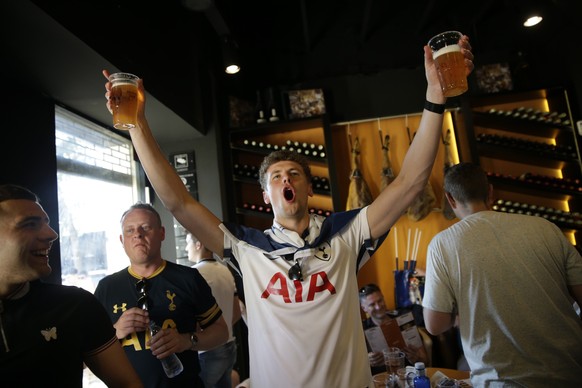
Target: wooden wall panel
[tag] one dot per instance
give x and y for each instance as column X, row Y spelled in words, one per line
column 380, row 268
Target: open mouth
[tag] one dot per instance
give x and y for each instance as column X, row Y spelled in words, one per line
column 288, row 194
column 41, row 252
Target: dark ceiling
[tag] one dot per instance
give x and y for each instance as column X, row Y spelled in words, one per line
column 286, row 42
column 174, row 44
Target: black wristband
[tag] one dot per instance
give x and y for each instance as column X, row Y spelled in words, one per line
column 435, row 108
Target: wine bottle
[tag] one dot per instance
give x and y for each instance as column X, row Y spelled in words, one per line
column 260, row 110
column 272, row 105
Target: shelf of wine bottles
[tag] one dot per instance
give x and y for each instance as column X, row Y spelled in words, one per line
column 563, row 219
column 524, row 120
column 250, row 174
column 511, row 148
column 246, row 172
column 262, row 210
column 314, row 152
column 530, row 114
column 529, row 183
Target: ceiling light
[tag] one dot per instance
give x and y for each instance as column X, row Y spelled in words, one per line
column 532, row 20
column 232, row 69
column 230, row 55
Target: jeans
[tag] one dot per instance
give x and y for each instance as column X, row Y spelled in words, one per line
column 216, row 365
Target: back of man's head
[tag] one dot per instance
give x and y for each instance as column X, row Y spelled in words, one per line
column 466, row 182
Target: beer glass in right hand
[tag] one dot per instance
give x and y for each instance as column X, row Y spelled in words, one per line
column 450, row 62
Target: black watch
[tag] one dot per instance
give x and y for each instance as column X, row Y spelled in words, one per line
column 193, row 340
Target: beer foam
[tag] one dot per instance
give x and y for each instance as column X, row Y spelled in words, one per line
column 123, row 83
column 446, row 50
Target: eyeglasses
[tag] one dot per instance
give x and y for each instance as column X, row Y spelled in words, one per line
column 295, row 272
column 141, row 287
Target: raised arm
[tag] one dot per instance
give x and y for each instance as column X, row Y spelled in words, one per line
column 168, row 186
column 419, row 160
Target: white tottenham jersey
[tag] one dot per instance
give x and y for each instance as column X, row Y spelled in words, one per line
column 305, row 333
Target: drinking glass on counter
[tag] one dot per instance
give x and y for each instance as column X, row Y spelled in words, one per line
column 406, row 376
column 394, row 359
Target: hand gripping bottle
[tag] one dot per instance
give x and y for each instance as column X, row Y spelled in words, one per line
column 172, row 364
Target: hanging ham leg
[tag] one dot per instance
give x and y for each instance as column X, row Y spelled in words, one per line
column 387, row 173
column 359, row 193
column 446, row 206
column 424, row 203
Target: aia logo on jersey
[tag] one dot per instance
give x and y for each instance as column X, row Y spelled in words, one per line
column 279, row 287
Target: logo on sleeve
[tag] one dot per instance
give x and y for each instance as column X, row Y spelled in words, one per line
column 50, row 333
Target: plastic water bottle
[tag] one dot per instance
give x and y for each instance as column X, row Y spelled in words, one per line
column 172, row 364
column 421, row 380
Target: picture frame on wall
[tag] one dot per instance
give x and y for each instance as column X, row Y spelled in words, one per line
column 493, row 78
column 305, row 103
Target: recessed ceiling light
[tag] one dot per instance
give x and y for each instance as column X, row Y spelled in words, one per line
column 232, row 69
column 532, row 21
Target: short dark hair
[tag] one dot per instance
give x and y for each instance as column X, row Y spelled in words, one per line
column 11, row 191
column 280, row 156
column 142, row 206
column 368, row 289
column 466, row 182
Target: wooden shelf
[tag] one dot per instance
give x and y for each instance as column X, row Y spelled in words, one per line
column 248, row 146
column 508, row 140
column 521, row 186
column 518, row 125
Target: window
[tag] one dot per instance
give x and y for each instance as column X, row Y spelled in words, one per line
column 97, row 181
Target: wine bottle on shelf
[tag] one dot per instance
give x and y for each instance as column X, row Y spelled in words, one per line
column 316, row 183
column 272, row 105
column 260, row 110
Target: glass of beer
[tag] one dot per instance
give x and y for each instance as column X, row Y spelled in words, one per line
column 394, row 359
column 450, row 62
column 124, row 98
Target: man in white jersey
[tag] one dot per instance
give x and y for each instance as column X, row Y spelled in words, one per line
column 216, row 364
column 299, row 276
column 511, row 279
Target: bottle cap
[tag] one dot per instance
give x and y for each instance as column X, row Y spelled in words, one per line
column 419, row 365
